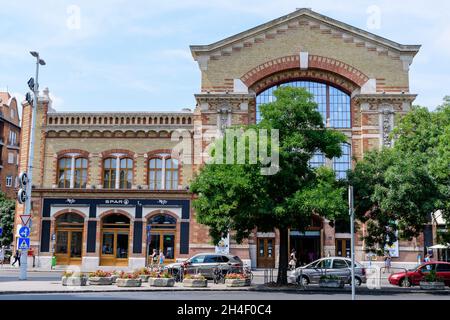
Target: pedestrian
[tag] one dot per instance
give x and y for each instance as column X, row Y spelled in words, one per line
column 16, row 257
column 427, row 258
column 161, row 259
column 153, row 258
column 387, row 261
column 292, row 260
column 2, row 254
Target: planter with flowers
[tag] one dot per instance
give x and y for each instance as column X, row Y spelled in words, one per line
column 237, row 280
column 144, row 274
column 128, row 280
column 72, row 278
column 100, row 278
column 432, row 282
column 195, row 280
column 163, row 279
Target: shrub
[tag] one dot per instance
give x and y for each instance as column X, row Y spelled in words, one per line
column 432, row 277
column 144, row 271
column 73, row 274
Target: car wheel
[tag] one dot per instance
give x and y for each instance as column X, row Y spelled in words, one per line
column 304, row 281
column 358, row 282
column 405, row 283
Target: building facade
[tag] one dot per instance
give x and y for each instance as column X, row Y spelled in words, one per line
column 110, row 187
column 9, row 144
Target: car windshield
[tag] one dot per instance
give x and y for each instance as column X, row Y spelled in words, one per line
column 415, row 268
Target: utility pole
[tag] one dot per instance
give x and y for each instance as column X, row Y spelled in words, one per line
column 35, row 88
column 352, row 232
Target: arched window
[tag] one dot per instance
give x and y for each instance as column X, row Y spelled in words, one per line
column 126, row 173
column 344, row 163
column 109, row 173
column 333, row 104
column 80, row 173
column 162, row 221
column 155, row 173
column 64, row 172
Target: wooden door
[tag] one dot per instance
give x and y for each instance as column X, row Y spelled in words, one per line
column 68, row 248
column 266, row 252
column 343, row 248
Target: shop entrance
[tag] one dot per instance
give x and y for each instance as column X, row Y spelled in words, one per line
column 266, row 253
column 306, row 245
column 162, row 237
column 115, row 240
column 69, row 239
column 343, row 248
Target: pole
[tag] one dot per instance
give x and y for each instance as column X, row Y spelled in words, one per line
column 23, row 257
column 352, row 240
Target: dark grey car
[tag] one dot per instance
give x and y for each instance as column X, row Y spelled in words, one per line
column 206, row 263
column 333, row 266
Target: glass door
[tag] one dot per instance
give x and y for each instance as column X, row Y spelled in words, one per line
column 68, row 247
column 76, row 241
column 61, row 247
column 162, row 241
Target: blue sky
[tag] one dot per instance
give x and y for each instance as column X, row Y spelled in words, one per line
column 134, row 55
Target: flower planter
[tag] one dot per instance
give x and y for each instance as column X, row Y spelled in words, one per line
column 114, row 278
column 100, row 281
column 161, row 282
column 432, row 285
column 196, row 283
column 329, row 283
column 238, row 282
column 128, row 282
column 74, row 281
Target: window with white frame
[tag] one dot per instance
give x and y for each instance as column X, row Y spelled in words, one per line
column 118, row 172
column 10, row 157
column 9, row 180
column 72, row 171
column 163, row 172
column 12, row 138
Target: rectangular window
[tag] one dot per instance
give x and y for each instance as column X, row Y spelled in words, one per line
column 9, row 181
column 10, row 157
column 12, row 138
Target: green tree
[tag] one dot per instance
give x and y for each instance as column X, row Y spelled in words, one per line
column 7, row 209
column 397, row 189
column 238, row 197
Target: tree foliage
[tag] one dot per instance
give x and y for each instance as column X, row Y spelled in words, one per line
column 7, row 209
column 397, row 189
column 237, row 197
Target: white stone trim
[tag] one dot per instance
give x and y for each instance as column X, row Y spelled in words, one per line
column 147, row 209
column 369, row 87
column 239, row 86
column 55, row 209
column 304, row 60
column 130, row 210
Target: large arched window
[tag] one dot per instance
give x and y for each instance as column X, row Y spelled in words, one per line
column 109, row 173
column 333, row 104
column 72, row 171
column 163, row 173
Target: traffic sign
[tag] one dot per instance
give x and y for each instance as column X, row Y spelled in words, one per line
column 24, row 232
column 21, row 196
column 25, row 219
column 23, row 179
column 24, row 243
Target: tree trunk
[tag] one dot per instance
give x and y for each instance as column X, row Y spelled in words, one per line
column 283, row 257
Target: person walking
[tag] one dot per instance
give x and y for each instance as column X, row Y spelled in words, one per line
column 153, row 258
column 16, row 257
column 161, row 259
column 387, row 261
column 293, row 260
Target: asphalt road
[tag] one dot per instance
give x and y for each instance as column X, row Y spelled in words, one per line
column 13, row 275
column 198, row 295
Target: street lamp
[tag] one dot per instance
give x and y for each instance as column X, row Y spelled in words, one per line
column 34, row 85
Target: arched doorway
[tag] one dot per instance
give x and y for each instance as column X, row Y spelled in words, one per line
column 69, row 238
column 115, row 234
column 162, row 229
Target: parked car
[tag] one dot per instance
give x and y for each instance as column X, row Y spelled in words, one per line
column 206, row 263
column 333, row 266
column 413, row 276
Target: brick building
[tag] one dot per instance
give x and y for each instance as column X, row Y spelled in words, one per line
column 102, row 180
column 9, row 144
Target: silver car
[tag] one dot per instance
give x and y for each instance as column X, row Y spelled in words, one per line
column 206, row 263
column 333, row 266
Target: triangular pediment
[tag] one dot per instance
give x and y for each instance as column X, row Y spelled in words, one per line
column 302, row 17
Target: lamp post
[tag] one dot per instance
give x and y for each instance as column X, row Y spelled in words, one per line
column 352, row 232
column 34, row 85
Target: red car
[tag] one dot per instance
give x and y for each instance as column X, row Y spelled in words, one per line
column 414, row 276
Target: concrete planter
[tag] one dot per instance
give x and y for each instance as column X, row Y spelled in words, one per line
column 238, row 282
column 114, row 278
column 100, row 281
column 432, row 285
column 331, row 283
column 196, row 283
column 129, row 282
column 161, row 282
column 74, row 281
